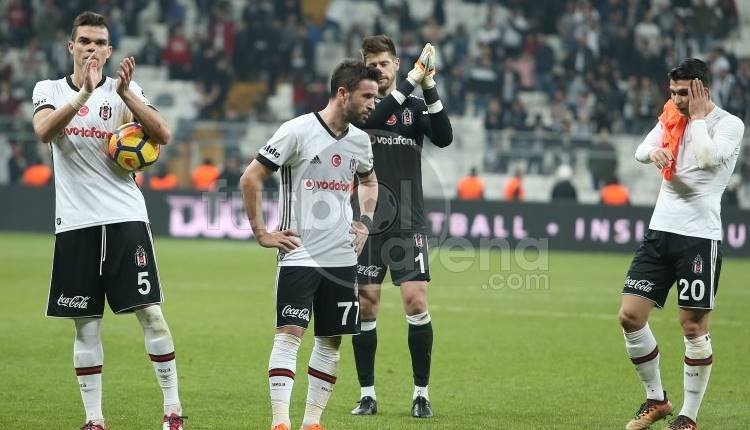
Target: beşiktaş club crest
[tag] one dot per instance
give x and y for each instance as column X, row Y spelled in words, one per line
column 105, row 111
column 352, row 165
column 418, row 240
column 698, row 264
column 140, row 257
column 407, row 117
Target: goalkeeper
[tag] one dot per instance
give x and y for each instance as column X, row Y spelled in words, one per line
column 398, row 239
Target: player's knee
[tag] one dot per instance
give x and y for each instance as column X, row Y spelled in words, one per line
column 631, row 321
column 691, row 328
column 694, row 323
column 88, row 330
column 415, row 304
column 369, row 303
column 152, row 320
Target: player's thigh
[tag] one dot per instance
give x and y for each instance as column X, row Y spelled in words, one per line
column 130, row 273
column 370, row 266
column 336, row 302
column 651, row 274
column 698, row 265
column 296, row 287
column 75, row 285
column 369, row 300
column 407, row 256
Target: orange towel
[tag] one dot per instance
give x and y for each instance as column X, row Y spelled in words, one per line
column 674, row 126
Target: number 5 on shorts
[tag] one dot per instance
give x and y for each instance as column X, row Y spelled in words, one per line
column 143, row 280
column 347, row 307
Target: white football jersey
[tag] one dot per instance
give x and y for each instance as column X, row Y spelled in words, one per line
column 90, row 189
column 317, row 177
column 690, row 204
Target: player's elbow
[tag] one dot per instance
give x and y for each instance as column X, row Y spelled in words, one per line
column 43, row 135
column 164, row 135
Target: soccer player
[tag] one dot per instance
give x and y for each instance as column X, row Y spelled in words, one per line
column 397, row 129
column 103, row 244
column 695, row 145
column 319, row 154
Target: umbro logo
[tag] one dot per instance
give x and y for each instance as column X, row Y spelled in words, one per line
column 316, row 160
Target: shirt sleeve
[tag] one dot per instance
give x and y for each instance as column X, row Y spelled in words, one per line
column 726, row 142
column 138, row 91
column 281, row 148
column 42, row 96
column 365, row 165
column 652, row 141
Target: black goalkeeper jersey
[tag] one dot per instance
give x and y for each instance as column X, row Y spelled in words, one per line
column 397, row 132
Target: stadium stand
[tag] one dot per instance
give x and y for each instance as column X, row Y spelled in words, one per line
column 577, row 82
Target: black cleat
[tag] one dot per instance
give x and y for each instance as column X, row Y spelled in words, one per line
column 367, row 406
column 421, row 408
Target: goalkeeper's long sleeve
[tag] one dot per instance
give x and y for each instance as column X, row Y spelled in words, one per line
column 440, row 130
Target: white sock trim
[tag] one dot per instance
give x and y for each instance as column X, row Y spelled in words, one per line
column 368, row 325
column 419, row 319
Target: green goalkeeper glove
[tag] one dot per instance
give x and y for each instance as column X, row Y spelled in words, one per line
column 421, row 66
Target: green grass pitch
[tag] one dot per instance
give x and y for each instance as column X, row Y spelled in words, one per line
column 515, row 347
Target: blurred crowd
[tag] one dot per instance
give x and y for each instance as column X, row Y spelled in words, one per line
column 594, row 67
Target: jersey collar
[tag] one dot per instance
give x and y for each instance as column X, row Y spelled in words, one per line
column 73, row 86
column 325, row 126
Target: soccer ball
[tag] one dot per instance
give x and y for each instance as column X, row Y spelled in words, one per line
column 131, row 148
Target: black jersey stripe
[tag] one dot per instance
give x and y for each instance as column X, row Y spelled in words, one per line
column 286, row 186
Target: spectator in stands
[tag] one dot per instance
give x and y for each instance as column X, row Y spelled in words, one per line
column 455, row 87
column 150, row 53
column 177, row 56
column 205, row 175
column 544, row 62
column 16, row 163
column 614, row 193
column 514, row 188
column 8, row 102
column 470, row 187
column 564, row 190
column 37, row 175
column 162, row 179
column 229, row 179
column 602, row 161
column 18, row 22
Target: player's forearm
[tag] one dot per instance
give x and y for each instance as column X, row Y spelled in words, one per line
column 252, row 191
column 47, row 124
column 151, row 120
column 367, row 194
column 441, row 131
column 652, row 141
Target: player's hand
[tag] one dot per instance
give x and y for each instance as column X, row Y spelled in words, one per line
column 698, row 102
column 360, row 232
column 284, row 241
column 125, row 74
column 661, row 157
column 429, row 75
column 91, row 74
column 421, row 66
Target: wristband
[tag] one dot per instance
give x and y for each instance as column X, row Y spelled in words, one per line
column 367, row 221
column 80, row 99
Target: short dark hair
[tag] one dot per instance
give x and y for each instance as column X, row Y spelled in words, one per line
column 378, row 44
column 691, row 68
column 349, row 74
column 88, row 19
